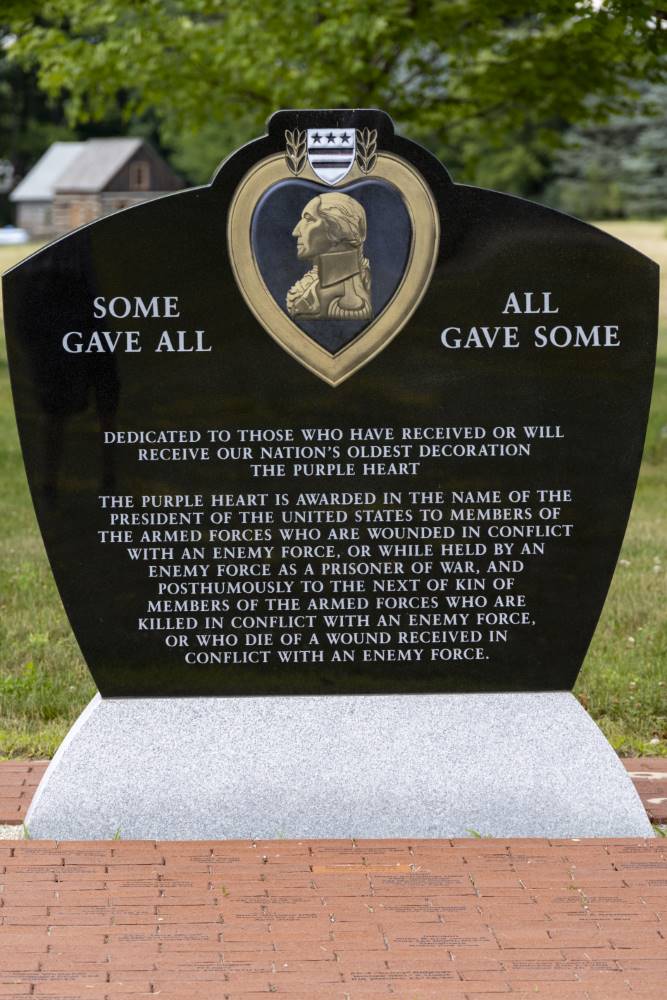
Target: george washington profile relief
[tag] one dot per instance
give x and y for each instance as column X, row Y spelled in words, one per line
column 331, row 233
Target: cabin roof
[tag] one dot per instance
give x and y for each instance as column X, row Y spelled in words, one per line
column 97, row 163
column 39, row 183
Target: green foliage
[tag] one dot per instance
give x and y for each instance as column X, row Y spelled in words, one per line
column 644, row 166
column 29, row 122
column 30, row 119
column 617, row 168
column 458, row 70
column 197, row 154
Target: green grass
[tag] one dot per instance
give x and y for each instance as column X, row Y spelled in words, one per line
column 623, row 683
column 44, row 682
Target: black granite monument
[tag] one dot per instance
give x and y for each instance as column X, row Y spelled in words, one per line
column 332, row 425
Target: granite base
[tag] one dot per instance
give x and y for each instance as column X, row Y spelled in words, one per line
column 503, row 765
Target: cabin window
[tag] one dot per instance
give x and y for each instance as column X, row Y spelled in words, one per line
column 140, row 176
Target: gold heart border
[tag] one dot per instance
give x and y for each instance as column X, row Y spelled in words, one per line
column 425, row 222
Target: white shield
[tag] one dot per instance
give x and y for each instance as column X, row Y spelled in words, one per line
column 331, row 152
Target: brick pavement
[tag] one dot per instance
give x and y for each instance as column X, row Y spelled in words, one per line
column 563, row 920
column 18, row 782
column 650, row 777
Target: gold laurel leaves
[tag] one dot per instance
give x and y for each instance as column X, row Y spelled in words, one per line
column 295, row 153
column 367, row 144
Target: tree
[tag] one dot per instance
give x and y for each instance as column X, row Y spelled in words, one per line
column 447, row 71
column 30, row 120
column 643, row 178
column 616, row 168
column 28, row 124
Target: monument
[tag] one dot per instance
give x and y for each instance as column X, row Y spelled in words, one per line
column 333, row 459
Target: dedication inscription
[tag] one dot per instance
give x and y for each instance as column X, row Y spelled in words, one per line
column 333, row 424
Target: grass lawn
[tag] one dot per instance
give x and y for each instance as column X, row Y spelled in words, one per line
column 44, row 683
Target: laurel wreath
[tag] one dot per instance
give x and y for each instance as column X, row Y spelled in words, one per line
column 367, row 144
column 295, row 154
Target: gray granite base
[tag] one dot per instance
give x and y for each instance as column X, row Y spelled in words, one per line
column 502, row 765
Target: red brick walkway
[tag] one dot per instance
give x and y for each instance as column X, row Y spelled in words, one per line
column 582, row 920
column 650, row 777
column 18, row 783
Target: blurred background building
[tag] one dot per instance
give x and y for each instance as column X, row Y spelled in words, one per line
column 77, row 182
